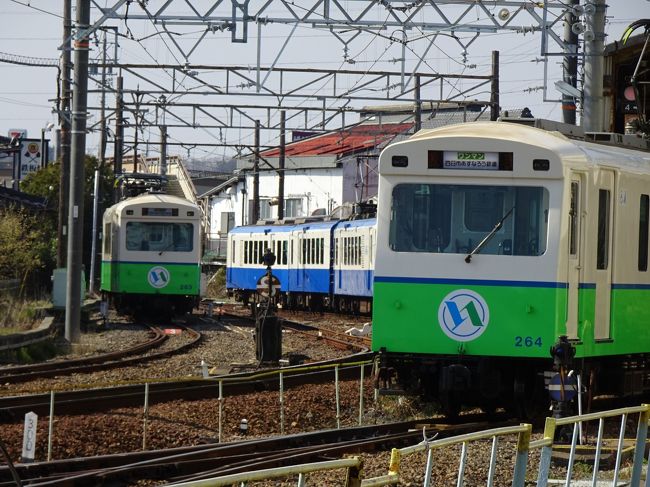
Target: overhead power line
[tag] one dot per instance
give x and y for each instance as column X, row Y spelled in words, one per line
column 6, row 57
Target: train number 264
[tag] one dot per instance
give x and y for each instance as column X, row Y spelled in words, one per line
column 528, row 341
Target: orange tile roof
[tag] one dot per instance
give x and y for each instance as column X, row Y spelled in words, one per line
column 342, row 142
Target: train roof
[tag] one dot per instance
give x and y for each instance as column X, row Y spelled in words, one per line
column 152, row 199
column 588, row 152
column 280, row 228
column 262, row 229
column 366, row 222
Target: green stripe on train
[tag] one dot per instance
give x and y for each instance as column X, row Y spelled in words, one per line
column 151, row 278
column 522, row 321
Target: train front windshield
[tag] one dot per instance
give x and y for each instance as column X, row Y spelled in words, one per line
column 453, row 218
column 160, row 236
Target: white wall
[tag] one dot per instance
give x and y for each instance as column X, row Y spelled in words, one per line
column 318, row 188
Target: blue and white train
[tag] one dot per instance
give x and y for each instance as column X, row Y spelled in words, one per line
column 321, row 264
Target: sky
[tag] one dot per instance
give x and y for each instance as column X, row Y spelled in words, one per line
column 33, row 28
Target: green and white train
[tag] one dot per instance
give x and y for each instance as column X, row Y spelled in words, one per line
column 151, row 255
column 495, row 240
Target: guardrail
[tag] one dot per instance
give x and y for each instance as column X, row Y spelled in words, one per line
column 525, row 445
column 353, row 466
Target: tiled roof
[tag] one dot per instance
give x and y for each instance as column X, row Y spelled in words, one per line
column 342, row 142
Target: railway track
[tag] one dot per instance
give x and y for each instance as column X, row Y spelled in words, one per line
column 13, row 408
column 121, row 358
column 209, row 460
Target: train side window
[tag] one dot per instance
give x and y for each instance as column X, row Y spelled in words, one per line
column 336, row 251
column 644, row 213
column 602, row 245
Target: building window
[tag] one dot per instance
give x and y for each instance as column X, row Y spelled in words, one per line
column 293, row 207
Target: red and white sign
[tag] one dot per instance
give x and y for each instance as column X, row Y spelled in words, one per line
column 173, row 331
column 22, row 133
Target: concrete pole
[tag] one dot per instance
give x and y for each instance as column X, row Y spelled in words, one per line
column 96, row 187
column 163, row 150
column 570, row 64
column 77, row 156
column 418, row 104
column 256, row 175
column 119, row 133
column 283, row 118
column 64, row 123
column 43, row 158
column 494, row 87
column 593, row 114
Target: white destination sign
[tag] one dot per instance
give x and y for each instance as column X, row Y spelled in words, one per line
column 485, row 161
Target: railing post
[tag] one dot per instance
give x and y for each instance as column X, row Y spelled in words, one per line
column 281, row 404
column 599, row 447
column 146, row 414
column 523, row 444
column 462, row 464
column 395, row 457
column 619, row 452
column 429, row 469
column 354, row 475
column 220, row 409
column 639, row 447
column 338, row 405
column 545, row 456
column 363, row 367
column 50, row 427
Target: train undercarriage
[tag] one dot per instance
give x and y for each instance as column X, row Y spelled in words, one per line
column 152, row 306
column 354, row 305
column 526, row 387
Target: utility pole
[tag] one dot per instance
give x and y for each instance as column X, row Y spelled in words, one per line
column 494, row 87
column 78, row 152
column 256, row 174
column 64, row 124
column 163, row 150
column 418, row 105
column 592, row 117
column 570, row 63
column 98, row 171
column 138, row 99
column 283, row 117
column 119, row 132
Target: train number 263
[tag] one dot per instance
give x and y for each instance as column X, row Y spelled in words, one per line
column 528, row 341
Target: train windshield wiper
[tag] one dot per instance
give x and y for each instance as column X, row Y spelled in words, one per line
column 486, row 239
column 166, row 248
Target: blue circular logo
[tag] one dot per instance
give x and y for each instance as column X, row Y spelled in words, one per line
column 158, row 277
column 463, row 315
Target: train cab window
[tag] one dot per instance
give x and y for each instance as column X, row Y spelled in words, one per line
column 602, row 244
column 446, row 218
column 107, row 240
column 336, row 251
column 160, row 236
column 644, row 213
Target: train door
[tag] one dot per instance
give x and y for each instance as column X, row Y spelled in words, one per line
column 574, row 258
column 604, row 230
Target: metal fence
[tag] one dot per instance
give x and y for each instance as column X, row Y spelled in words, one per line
column 523, row 446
